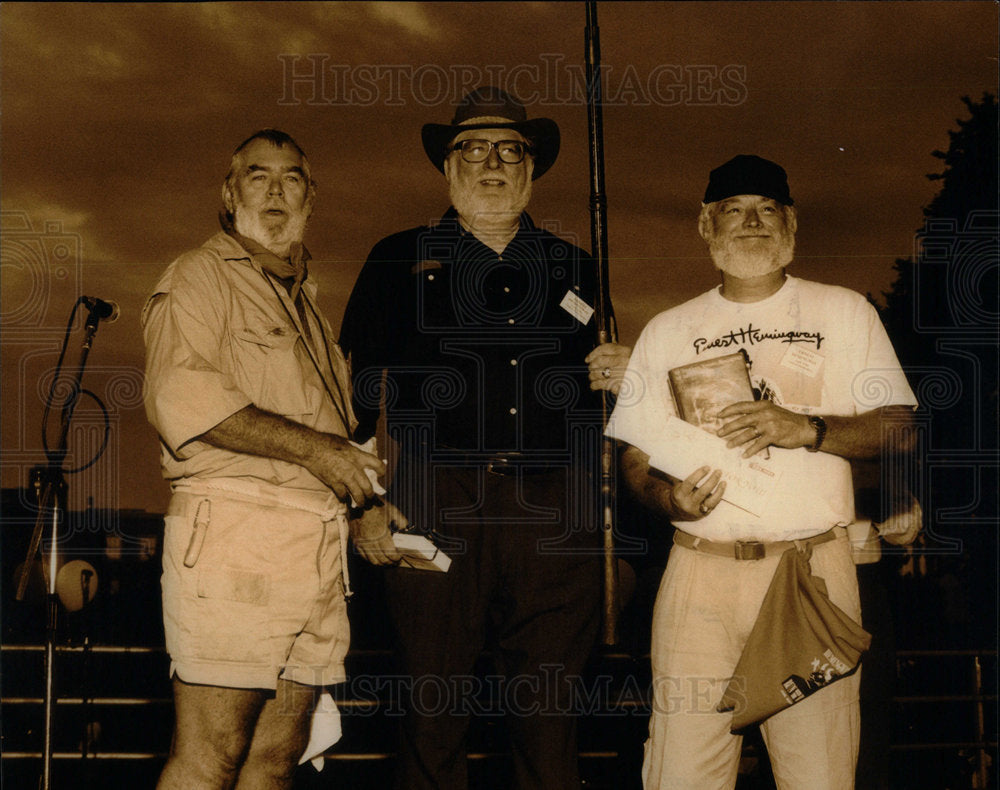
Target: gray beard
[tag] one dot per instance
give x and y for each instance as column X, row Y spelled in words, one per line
column 747, row 264
column 277, row 238
column 483, row 213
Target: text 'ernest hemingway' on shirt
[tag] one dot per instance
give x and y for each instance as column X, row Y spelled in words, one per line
column 750, row 335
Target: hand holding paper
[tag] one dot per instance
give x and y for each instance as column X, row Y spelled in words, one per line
column 370, row 447
column 679, row 448
column 696, row 496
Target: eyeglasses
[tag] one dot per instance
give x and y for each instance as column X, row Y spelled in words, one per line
column 509, row 152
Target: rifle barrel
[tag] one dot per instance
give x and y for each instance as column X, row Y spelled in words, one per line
column 605, row 326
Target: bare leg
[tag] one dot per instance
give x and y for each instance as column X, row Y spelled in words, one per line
column 212, row 736
column 279, row 739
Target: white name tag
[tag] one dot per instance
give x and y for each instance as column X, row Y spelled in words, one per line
column 803, row 360
column 576, row 307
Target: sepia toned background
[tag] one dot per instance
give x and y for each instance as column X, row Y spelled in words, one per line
column 117, row 122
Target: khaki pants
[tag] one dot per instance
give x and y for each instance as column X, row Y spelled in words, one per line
column 705, row 610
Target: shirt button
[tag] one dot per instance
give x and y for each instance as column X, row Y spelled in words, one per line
column 513, row 362
column 430, row 276
column 506, row 289
column 513, row 411
column 510, row 320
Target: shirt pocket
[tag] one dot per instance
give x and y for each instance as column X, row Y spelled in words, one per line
column 268, row 367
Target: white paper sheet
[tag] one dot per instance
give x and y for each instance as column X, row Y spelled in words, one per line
column 679, row 448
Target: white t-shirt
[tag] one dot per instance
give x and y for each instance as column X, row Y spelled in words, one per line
column 814, row 349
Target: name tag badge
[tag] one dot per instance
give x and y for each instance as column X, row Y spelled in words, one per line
column 802, row 360
column 576, row 307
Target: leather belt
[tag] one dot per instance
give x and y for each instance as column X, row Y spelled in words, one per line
column 749, row 549
column 503, row 467
column 510, row 463
column 497, row 464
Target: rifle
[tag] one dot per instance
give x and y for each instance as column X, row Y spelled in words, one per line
column 605, row 325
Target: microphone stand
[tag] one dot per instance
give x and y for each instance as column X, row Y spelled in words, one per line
column 50, row 487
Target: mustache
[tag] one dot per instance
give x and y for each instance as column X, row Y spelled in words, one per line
column 254, row 224
column 469, row 202
column 728, row 256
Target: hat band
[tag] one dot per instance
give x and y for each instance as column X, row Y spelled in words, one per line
column 481, row 119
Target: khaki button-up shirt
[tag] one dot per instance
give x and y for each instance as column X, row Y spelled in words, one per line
column 220, row 335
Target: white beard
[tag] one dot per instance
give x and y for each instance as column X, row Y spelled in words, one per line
column 748, row 263
column 275, row 235
column 484, row 212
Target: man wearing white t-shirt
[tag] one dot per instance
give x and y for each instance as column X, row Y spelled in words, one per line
column 828, row 388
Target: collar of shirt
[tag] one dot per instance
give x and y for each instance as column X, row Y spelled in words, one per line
column 292, row 275
column 451, row 224
column 291, row 272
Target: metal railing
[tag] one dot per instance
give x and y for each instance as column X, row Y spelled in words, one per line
column 983, row 742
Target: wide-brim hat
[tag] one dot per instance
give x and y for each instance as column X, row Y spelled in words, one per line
column 492, row 108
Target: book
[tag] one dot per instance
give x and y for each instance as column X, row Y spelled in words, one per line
column 420, row 553
column 702, row 389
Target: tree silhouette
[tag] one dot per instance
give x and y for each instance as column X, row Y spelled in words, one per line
column 941, row 313
column 958, row 245
column 969, row 181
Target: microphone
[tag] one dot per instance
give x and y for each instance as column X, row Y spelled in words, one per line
column 101, row 310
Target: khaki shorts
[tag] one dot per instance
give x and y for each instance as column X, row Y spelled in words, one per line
column 260, row 597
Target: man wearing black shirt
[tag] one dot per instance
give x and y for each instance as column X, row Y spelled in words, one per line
column 475, row 333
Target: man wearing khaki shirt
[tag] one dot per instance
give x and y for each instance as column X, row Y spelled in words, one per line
column 251, row 398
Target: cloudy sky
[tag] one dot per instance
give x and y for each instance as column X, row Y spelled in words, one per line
column 118, row 121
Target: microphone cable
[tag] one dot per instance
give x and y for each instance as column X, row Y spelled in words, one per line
column 70, row 400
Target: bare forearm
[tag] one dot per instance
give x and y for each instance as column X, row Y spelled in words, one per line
column 332, row 459
column 888, row 429
column 755, row 425
column 652, row 492
column 257, row 432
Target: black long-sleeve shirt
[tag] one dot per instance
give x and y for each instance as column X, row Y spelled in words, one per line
column 478, row 353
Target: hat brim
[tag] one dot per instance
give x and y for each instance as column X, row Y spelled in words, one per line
column 542, row 133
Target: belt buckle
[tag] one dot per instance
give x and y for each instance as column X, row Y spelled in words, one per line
column 500, row 466
column 749, row 550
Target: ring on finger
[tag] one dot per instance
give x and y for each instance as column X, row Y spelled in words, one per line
column 606, row 373
column 703, row 509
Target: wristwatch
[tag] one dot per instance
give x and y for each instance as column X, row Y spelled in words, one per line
column 819, row 424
